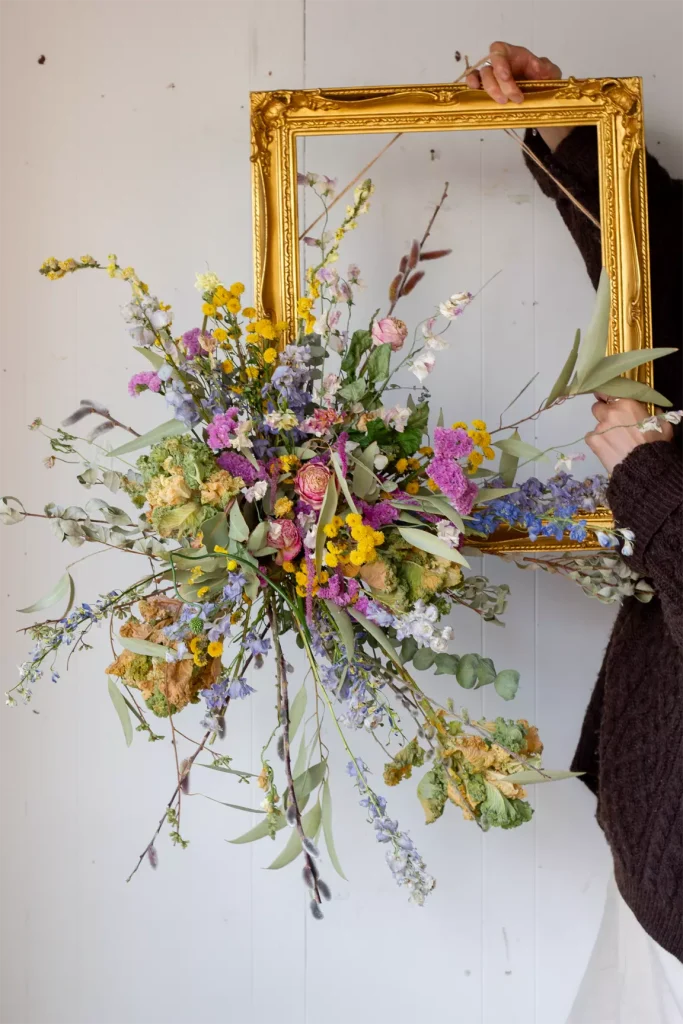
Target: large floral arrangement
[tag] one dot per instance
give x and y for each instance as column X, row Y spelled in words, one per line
column 290, row 496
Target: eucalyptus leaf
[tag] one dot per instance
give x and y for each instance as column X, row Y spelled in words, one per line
column 443, row 508
column 336, row 465
column 239, row 530
column 119, row 702
column 424, row 658
column 172, row 428
column 559, row 388
column 151, row 356
column 364, row 481
column 446, row 664
column 507, row 467
column 261, row 830
column 408, row 649
column 311, row 825
column 594, row 345
column 491, row 493
column 145, row 647
column 11, row 516
column 466, row 671
column 623, row 387
column 506, row 683
column 309, row 780
column 614, row 366
column 378, row 634
column 327, row 511
column 520, row 449
column 433, row 545
column 234, row 807
column 327, row 829
column 296, row 711
column 258, row 537
column 345, row 627
column 62, row 590
column 301, row 757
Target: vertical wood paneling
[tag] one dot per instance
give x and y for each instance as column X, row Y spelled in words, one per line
column 133, row 138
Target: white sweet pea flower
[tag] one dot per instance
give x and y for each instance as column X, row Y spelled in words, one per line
column 651, row 423
column 422, row 366
column 396, row 417
column 256, row 491
column 309, row 539
column 160, row 318
column 436, row 342
column 448, row 532
column 241, row 440
column 455, row 305
column 565, row 461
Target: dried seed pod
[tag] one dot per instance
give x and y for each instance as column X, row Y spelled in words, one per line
column 435, row 254
column 281, row 747
column 101, row 429
column 309, row 845
column 394, row 286
column 324, row 890
column 185, row 776
column 308, row 877
column 412, row 281
column 152, row 856
column 403, row 265
column 219, row 725
column 414, row 255
column 291, row 815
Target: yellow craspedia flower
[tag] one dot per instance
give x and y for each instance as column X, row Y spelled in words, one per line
column 237, row 390
column 458, row 425
column 220, row 334
column 249, row 311
column 301, row 591
column 304, row 306
column 476, row 459
column 479, row 424
column 202, row 592
column 301, row 578
column 489, row 453
column 227, row 366
column 330, row 560
column 401, row 465
column 476, row 436
column 323, row 577
column 270, row 355
column 413, row 487
column 330, row 530
column 220, row 296
column 356, row 558
column 233, row 305
column 252, row 372
column 426, row 450
column 208, row 309
column 378, row 537
column 251, row 338
column 353, row 519
column 215, row 649
column 267, row 331
column 237, row 288
column 281, row 325
column 432, row 486
column 289, row 566
column 232, row 565
column 334, row 549
column 195, row 644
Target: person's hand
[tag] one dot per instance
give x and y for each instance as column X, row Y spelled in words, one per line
column 616, row 434
column 509, row 65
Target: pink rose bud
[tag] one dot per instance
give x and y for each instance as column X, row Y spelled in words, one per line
column 389, row 331
column 311, row 482
column 283, row 535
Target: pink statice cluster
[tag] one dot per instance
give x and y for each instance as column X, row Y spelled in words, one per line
column 237, row 465
column 143, row 381
column 222, row 428
column 340, row 589
column 447, row 473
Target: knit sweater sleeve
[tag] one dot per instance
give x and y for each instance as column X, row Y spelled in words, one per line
column 646, row 495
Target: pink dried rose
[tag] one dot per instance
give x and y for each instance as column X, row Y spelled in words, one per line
column 311, row 483
column 283, row 535
column 389, row 331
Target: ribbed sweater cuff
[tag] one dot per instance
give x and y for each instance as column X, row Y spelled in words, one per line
column 574, row 162
column 645, row 489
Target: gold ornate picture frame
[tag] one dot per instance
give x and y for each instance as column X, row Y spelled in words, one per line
column 612, row 105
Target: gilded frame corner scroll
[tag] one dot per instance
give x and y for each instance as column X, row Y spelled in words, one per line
column 613, row 105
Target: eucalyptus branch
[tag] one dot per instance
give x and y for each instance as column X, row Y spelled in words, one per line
column 283, row 710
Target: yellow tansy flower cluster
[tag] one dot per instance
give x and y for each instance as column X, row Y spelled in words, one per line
column 302, row 579
column 282, row 508
column 303, row 312
column 365, row 537
column 481, row 439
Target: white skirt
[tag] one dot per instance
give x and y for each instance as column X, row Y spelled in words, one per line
column 629, row 979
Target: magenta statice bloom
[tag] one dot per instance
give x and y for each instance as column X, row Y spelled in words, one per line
column 237, row 465
column 378, row 515
column 142, row 381
column 451, row 480
column 452, row 443
column 340, row 590
column 191, row 342
column 221, row 430
column 340, row 448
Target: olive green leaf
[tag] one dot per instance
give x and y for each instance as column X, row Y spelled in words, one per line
column 559, row 388
column 327, row 829
column 119, row 702
column 64, row 588
column 172, row 428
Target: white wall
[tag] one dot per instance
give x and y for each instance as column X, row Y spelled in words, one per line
column 100, row 154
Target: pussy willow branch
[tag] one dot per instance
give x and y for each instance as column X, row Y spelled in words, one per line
column 283, row 709
column 188, row 764
column 408, row 270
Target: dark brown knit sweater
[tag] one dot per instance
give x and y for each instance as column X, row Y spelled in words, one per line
column 631, row 743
